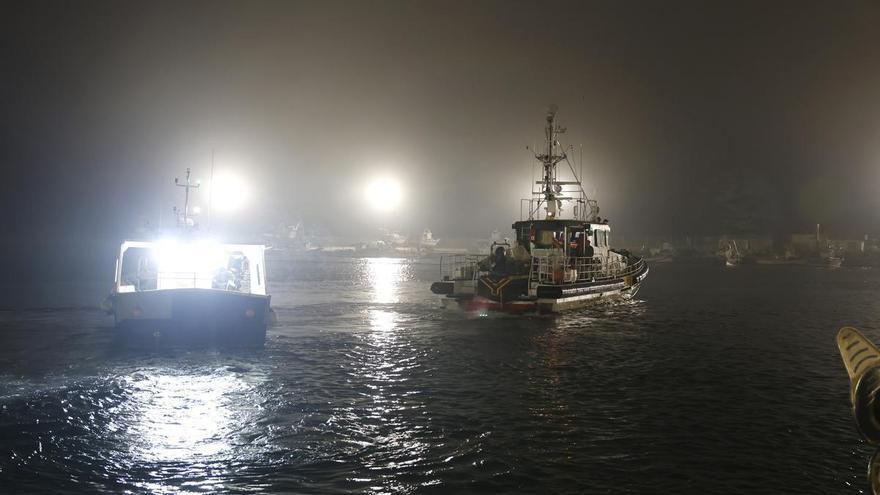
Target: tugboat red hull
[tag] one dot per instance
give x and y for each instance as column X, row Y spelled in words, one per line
column 481, row 306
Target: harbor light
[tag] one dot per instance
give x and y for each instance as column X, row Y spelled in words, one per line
column 384, row 194
column 228, row 192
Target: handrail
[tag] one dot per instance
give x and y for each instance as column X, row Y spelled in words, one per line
column 460, row 266
column 552, row 269
column 559, row 270
column 184, row 279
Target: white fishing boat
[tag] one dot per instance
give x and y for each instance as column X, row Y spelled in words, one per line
column 557, row 262
column 188, row 288
column 428, row 241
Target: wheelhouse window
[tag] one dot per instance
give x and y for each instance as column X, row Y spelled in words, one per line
column 139, row 269
column 188, row 266
column 235, row 275
column 546, row 239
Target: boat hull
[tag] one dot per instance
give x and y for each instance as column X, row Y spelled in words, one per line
column 548, row 298
column 481, row 306
column 555, row 303
column 192, row 316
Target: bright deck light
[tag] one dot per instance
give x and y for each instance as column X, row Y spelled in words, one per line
column 185, row 264
column 384, row 194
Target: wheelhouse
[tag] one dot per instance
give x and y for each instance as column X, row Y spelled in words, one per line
column 149, row 266
column 542, row 237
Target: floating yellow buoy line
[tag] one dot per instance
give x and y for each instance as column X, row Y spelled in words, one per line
column 862, row 360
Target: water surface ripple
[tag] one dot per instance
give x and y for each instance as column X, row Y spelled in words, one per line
column 713, row 381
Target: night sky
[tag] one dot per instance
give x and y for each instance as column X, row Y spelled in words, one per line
column 703, row 117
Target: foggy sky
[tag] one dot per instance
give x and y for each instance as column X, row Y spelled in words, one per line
column 694, row 117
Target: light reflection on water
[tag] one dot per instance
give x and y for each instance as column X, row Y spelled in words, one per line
column 185, row 425
column 182, row 417
column 384, row 363
column 381, row 323
column 383, row 276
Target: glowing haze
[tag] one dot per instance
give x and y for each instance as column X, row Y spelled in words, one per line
column 693, row 116
column 384, row 194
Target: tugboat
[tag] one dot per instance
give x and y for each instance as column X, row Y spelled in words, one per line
column 188, row 289
column 556, row 263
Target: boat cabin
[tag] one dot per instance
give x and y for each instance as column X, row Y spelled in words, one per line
column 547, row 237
column 147, row 266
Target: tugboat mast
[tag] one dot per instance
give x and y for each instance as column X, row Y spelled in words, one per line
column 552, row 191
column 549, row 159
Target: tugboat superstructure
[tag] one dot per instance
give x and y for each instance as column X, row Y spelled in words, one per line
column 561, row 261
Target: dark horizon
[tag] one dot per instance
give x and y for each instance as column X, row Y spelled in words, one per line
column 693, row 118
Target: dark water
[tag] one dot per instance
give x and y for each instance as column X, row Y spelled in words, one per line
column 714, row 381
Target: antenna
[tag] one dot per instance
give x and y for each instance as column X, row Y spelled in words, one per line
column 549, row 159
column 211, row 194
column 581, row 174
column 553, row 188
column 187, row 186
column 581, row 180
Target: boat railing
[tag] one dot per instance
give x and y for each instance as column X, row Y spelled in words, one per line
column 460, row 266
column 184, row 279
column 189, row 280
column 558, row 270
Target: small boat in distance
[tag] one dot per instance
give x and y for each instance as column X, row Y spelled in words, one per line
column 828, row 258
column 825, row 255
column 732, row 256
column 555, row 263
column 185, row 288
column 428, row 241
